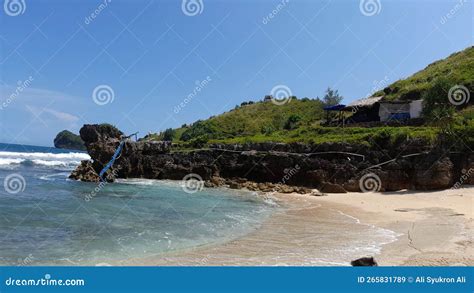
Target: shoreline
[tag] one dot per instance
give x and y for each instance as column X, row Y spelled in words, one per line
column 435, row 227
column 432, row 228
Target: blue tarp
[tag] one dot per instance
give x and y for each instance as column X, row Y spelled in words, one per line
column 334, row 108
column 399, row 116
column 111, row 162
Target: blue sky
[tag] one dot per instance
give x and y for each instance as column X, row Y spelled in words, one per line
column 151, row 54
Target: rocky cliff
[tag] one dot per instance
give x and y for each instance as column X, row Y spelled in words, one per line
column 329, row 167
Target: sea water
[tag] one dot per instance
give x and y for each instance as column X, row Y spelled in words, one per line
column 48, row 219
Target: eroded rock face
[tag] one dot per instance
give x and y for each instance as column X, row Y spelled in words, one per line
column 437, row 176
column 332, row 167
column 85, row 172
column 328, row 187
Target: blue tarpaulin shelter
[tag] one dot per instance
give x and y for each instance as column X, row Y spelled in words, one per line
column 334, row 108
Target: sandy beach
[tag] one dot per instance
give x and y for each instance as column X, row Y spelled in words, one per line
column 436, row 227
column 426, row 229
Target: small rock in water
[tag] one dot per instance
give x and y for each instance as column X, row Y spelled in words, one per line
column 364, row 262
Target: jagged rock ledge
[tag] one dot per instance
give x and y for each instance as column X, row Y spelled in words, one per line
column 328, row 167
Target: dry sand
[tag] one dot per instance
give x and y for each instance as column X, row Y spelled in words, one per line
column 432, row 229
column 436, row 227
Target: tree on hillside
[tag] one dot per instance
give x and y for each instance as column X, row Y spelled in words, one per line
column 437, row 108
column 168, row 134
column 292, row 122
column 332, row 97
column 199, row 128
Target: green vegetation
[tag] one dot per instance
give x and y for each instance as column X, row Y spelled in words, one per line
column 299, row 120
column 261, row 118
column 457, row 69
column 317, row 135
column 332, row 98
column 168, row 134
column 436, row 107
column 292, row 122
column 467, row 113
column 68, row 140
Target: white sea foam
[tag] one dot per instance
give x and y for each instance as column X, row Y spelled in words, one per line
column 42, row 159
column 385, row 236
column 52, row 177
column 5, row 161
column 45, row 156
column 141, row 181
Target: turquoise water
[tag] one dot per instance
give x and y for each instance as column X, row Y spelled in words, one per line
column 47, row 219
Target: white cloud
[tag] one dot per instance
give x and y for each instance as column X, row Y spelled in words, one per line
column 63, row 116
column 31, row 95
column 58, row 115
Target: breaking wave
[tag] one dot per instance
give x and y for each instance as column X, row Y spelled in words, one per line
column 63, row 160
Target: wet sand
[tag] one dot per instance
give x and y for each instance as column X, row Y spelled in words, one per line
column 416, row 228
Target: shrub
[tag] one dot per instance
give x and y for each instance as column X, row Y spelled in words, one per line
column 196, row 130
column 267, row 129
column 436, row 106
column 292, row 122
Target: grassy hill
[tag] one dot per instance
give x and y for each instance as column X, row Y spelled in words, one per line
column 458, row 68
column 254, row 119
column 300, row 119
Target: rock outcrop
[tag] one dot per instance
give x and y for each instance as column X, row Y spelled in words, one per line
column 329, row 167
column 364, row 262
column 68, row 140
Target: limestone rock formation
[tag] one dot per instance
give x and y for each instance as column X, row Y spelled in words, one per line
column 296, row 167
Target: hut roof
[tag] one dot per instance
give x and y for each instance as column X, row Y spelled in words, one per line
column 365, row 102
